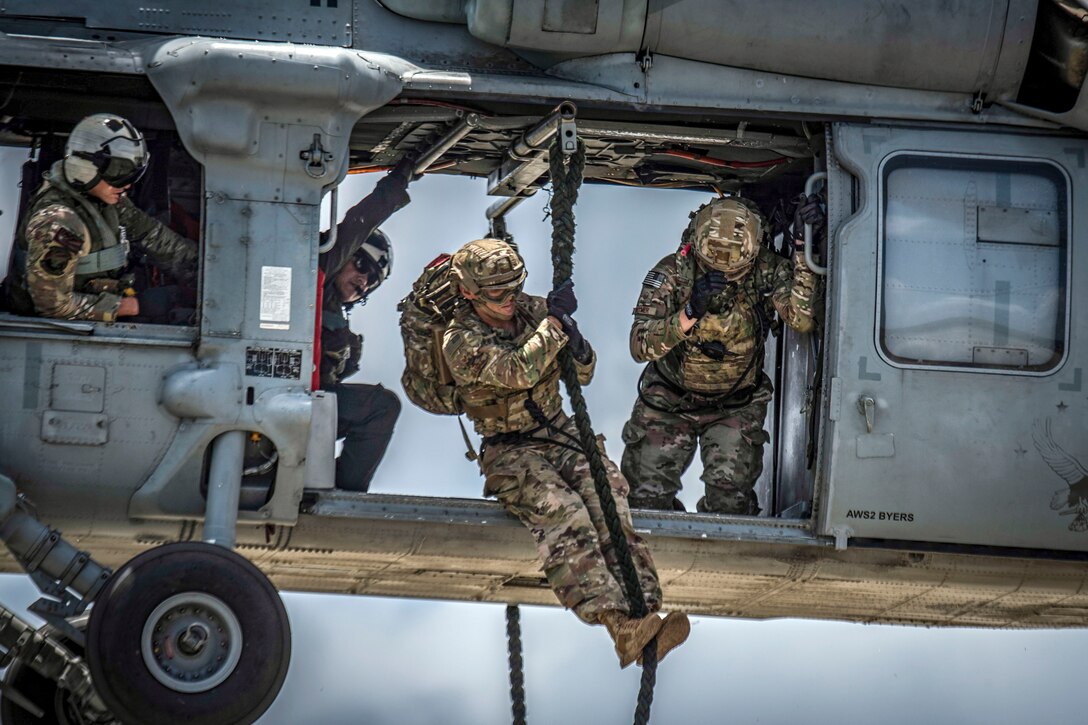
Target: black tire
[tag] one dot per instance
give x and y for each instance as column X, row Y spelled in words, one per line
column 121, row 632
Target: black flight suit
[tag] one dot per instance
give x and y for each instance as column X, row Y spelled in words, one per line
column 366, row 414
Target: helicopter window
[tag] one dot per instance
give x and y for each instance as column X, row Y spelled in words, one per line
column 974, row 262
column 170, row 192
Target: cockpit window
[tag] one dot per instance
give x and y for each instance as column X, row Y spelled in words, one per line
column 973, row 262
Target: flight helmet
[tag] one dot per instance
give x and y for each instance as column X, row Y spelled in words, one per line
column 726, row 236
column 375, row 259
column 104, row 147
column 488, row 267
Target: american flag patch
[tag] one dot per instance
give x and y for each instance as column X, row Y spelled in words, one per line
column 654, row 279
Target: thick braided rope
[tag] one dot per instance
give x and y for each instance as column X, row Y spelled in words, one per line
column 517, row 678
column 566, row 177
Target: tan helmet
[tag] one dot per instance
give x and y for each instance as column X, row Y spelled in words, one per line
column 726, row 235
column 487, row 264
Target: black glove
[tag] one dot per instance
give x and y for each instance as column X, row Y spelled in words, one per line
column 704, row 288
column 577, row 344
column 562, row 302
column 402, row 173
column 809, row 211
column 156, row 303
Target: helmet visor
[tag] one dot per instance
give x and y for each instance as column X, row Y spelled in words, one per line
column 120, row 160
column 501, row 295
column 365, row 265
column 122, row 172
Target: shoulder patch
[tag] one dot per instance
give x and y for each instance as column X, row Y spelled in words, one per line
column 654, row 279
column 62, row 217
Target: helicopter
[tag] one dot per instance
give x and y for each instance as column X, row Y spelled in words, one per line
column 949, row 144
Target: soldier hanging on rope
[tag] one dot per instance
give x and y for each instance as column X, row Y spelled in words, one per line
column 502, row 351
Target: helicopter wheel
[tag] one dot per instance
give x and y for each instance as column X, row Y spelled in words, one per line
column 187, row 633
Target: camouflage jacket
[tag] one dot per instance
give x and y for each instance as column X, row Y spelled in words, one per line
column 64, row 226
column 342, row 349
column 496, row 372
column 737, row 320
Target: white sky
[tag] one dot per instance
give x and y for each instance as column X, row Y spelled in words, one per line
column 385, row 661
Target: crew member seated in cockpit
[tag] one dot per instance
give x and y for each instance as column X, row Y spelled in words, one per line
column 361, row 260
column 72, row 257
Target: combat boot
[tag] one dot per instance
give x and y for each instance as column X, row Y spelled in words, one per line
column 629, row 633
column 674, row 632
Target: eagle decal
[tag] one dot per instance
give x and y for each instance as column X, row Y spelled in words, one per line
column 1073, row 500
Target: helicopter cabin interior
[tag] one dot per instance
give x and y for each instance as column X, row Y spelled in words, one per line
column 766, row 160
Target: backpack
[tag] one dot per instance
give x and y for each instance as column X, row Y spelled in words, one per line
column 424, row 315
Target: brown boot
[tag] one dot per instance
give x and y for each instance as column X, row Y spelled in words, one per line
column 674, row 631
column 630, row 634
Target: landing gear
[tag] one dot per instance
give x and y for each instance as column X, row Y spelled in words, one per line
column 188, row 633
column 31, row 698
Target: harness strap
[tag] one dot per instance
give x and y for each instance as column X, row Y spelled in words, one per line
column 729, row 400
column 104, row 260
column 470, row 454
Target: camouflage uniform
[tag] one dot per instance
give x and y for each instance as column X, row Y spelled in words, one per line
column 536, row 471
column 64, row 226
column 689, row 397
column 365, row 414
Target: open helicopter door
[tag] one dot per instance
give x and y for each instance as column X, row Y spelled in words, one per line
column 957, row 339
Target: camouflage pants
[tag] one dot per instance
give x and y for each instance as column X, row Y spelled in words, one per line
column 661, row 445
column 550, row 489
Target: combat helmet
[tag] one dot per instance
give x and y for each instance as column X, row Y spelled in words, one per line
column 490, row 264
column 104, row 147
column 375, row 259
column 726, row 235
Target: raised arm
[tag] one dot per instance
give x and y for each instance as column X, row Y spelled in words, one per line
column 390, row 195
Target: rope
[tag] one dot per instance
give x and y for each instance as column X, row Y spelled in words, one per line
column 517, row 678
column 566, row 176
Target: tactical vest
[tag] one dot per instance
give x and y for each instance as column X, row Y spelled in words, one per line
column 101, row 226
column 727, row 342
column 493, row 411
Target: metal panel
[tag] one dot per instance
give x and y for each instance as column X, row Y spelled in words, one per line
column 563, row 26
column 321, row 447
column 972, row 455
column 78, row 388
column 80, row 428
column 318, row 22
column 929, row 44
column 1017, row 226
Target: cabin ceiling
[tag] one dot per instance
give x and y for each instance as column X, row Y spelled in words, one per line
column 658, row 149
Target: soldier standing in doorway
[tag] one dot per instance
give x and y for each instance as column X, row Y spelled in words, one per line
column 700, row 323
column 502, row 351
